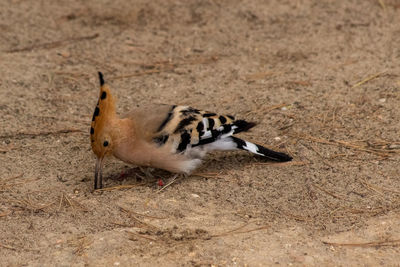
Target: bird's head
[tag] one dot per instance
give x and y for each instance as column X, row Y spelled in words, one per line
column 101, row 129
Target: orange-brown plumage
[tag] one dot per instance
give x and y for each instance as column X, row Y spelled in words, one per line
column 173, row 138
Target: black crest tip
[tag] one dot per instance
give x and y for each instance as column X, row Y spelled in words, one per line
column 101, row 78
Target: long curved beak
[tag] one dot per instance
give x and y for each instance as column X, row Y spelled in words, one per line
column 98, row 175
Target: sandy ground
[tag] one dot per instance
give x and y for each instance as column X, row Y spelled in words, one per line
column 320, row 77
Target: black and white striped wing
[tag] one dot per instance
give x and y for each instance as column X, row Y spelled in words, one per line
column 189, row 130
column 186, row 127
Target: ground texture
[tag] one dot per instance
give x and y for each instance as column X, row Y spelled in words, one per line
column 321, row 79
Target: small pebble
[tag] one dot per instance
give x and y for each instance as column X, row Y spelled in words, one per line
column 382, row 100
column 195, row 195
column 277, row 138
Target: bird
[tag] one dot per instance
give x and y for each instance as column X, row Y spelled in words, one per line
column 170, row 137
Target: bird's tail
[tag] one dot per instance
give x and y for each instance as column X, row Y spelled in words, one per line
column 260, row 150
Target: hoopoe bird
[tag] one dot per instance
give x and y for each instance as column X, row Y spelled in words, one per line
column 173, row 138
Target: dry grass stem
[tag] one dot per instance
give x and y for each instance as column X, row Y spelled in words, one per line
column 302, row 83
column 266, row 109
column 382, row 4
column 368, row 79
column 233, row 230
column 73, row 74
column 12, row 177
column 165, row 65
column 43, row 133
column 27, row 204
column 321, row 156
column 173, row 180
column 262, row 75
column 327, row 192
column 346, row 63
column 371, row 187
column 132, row 215
column 139, row 235
column 120, row 187
column 54, row 44
column 83, row 243
column 123, row 224
column 147, row 72
column 208, row 174
column 378, row 189
column 7, row 246
column 380, row 152
column 236, row 230
column 70, row 202
column 5, row 213
column 143, row 215
column 10, row 185
column 61, row 201
column 296, row 217
column 394, row 242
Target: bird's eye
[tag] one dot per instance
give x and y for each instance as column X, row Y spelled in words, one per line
column 105, row 143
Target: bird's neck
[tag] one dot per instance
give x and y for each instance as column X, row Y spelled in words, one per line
column 122, row 131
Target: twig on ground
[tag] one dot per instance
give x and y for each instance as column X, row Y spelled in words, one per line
column 299, row 82
column 141, row 73
column 236, row 230
column 141, row 236
column 12, row 177
column 143, row 215
column 7, row 246
column 4, row 186
column 166, row 65
column 131, row 215
column 208, row 174
column 84, row 243
column 5, row 213
column 378, row 189
column 120, row 187
column 262, row 75
column 123, row 224
column 382, row 4
column 233, row 230
column 327, row 192
column 54, row 44
column 42, row 133
column 61, row 201
column 267, row 109
column 296, row 217
column 321, row 156
column 26, row 203
column 69, row 202
column 394, row 242
column 368, row 79
column 379, row 152
column 173, row 180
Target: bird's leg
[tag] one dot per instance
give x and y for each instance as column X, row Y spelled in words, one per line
column 147, row 172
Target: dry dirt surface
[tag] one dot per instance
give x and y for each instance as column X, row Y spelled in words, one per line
column 321, row 79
